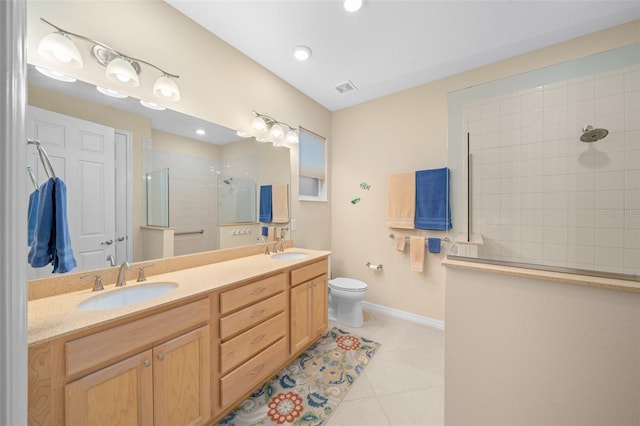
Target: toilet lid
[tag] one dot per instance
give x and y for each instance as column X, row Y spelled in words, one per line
column 347, row 284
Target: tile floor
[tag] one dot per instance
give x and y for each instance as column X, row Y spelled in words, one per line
column 404, row 384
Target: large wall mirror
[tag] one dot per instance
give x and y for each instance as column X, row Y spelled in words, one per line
column 211, row 177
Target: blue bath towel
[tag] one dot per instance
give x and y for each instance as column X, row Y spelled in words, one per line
column 432, row 200
column 41, row 251
column 266, row 210
column 63, row 260
column 32, row 216
column 51, row 241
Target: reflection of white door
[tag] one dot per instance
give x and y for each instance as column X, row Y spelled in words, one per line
column 82, row 154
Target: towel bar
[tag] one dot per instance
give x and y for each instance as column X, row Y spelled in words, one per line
column 44, row 158
column 189, row 232
column 425, row 239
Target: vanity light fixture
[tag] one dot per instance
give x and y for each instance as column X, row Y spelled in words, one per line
column 120, row 68
column 268, row 129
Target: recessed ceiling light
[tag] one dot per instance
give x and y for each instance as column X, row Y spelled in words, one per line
column 301, row 53
column 352, row 6
column 201, row 132
column 152, row 105
column 111, row 92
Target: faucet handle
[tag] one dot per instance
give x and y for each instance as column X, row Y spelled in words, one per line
column 97, row 284
column 141, row 269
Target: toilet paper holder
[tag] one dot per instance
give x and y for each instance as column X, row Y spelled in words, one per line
column 374, row 266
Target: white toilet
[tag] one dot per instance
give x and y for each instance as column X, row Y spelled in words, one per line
column 345, row 301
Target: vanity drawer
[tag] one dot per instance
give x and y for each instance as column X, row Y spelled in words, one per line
column 242, row 347
column 96, row 349
column 250, row 293
column 308, row 272
column 252, row 373
column 248, row 317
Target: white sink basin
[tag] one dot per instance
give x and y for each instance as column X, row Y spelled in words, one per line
column 289, row 255
column 127, row 296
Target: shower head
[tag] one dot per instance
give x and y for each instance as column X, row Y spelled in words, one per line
column 589, row 134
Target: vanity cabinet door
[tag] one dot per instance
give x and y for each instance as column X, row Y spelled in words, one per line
column 308, row 312
column 121, row 394
column 182, row 380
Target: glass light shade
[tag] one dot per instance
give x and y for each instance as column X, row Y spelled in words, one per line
column 276, row 132
column 152, row 105
column 111, row 92
column 166, row 88
column 258, row 124
column 59, row 47
column 292, row 136
column 56, row 75
column 121, row 71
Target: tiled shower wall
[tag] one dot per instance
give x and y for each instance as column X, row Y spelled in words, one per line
column 193, row 198
column 538, row 194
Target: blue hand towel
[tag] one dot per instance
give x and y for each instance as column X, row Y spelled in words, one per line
column 265, row 231
column 432, row 200
column 32, row 216
column 266, row 210
column 63, row 260
column 434, row 245
column 41, row 251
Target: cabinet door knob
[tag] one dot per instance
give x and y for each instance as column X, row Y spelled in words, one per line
column 160, row 357
column 107, row 243
column 147, row 363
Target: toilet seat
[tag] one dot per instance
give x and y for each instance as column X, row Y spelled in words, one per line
column 347, row 284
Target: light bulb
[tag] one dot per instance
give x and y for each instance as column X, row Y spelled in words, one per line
column 121, row 70
column 57, row 46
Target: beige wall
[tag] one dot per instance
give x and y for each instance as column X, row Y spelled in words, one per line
column 407, row 131
column 217, row 82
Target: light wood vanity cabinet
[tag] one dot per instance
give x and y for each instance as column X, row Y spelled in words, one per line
column 308, row 304
column 185, row 365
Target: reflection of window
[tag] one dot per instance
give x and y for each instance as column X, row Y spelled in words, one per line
column 313, row 167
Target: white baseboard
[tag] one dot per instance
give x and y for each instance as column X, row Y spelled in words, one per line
column 404, row 315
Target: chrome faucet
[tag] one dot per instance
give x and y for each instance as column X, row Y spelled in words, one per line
column 111, row 260
column 266, row 244
column 275, row 245
column 121, row 281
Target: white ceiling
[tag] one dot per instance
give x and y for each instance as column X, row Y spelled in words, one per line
column 391, row 45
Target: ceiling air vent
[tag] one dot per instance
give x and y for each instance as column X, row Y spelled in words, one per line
column 345, row 87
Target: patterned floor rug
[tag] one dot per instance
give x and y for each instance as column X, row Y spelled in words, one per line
column 308, row 391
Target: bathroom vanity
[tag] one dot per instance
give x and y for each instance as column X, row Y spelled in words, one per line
column 186, row 357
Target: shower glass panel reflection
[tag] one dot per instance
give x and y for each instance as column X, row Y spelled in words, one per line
column 553, row 165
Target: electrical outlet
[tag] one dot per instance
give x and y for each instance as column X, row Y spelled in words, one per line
column 293, row 224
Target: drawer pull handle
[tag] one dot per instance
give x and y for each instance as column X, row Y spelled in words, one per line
column 257, row 370
column 160, row 357
column 147, row 363
column 257, row 339
column 257, row 291
column 257, row 314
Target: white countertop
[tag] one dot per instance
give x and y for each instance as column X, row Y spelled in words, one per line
column 57, row 316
